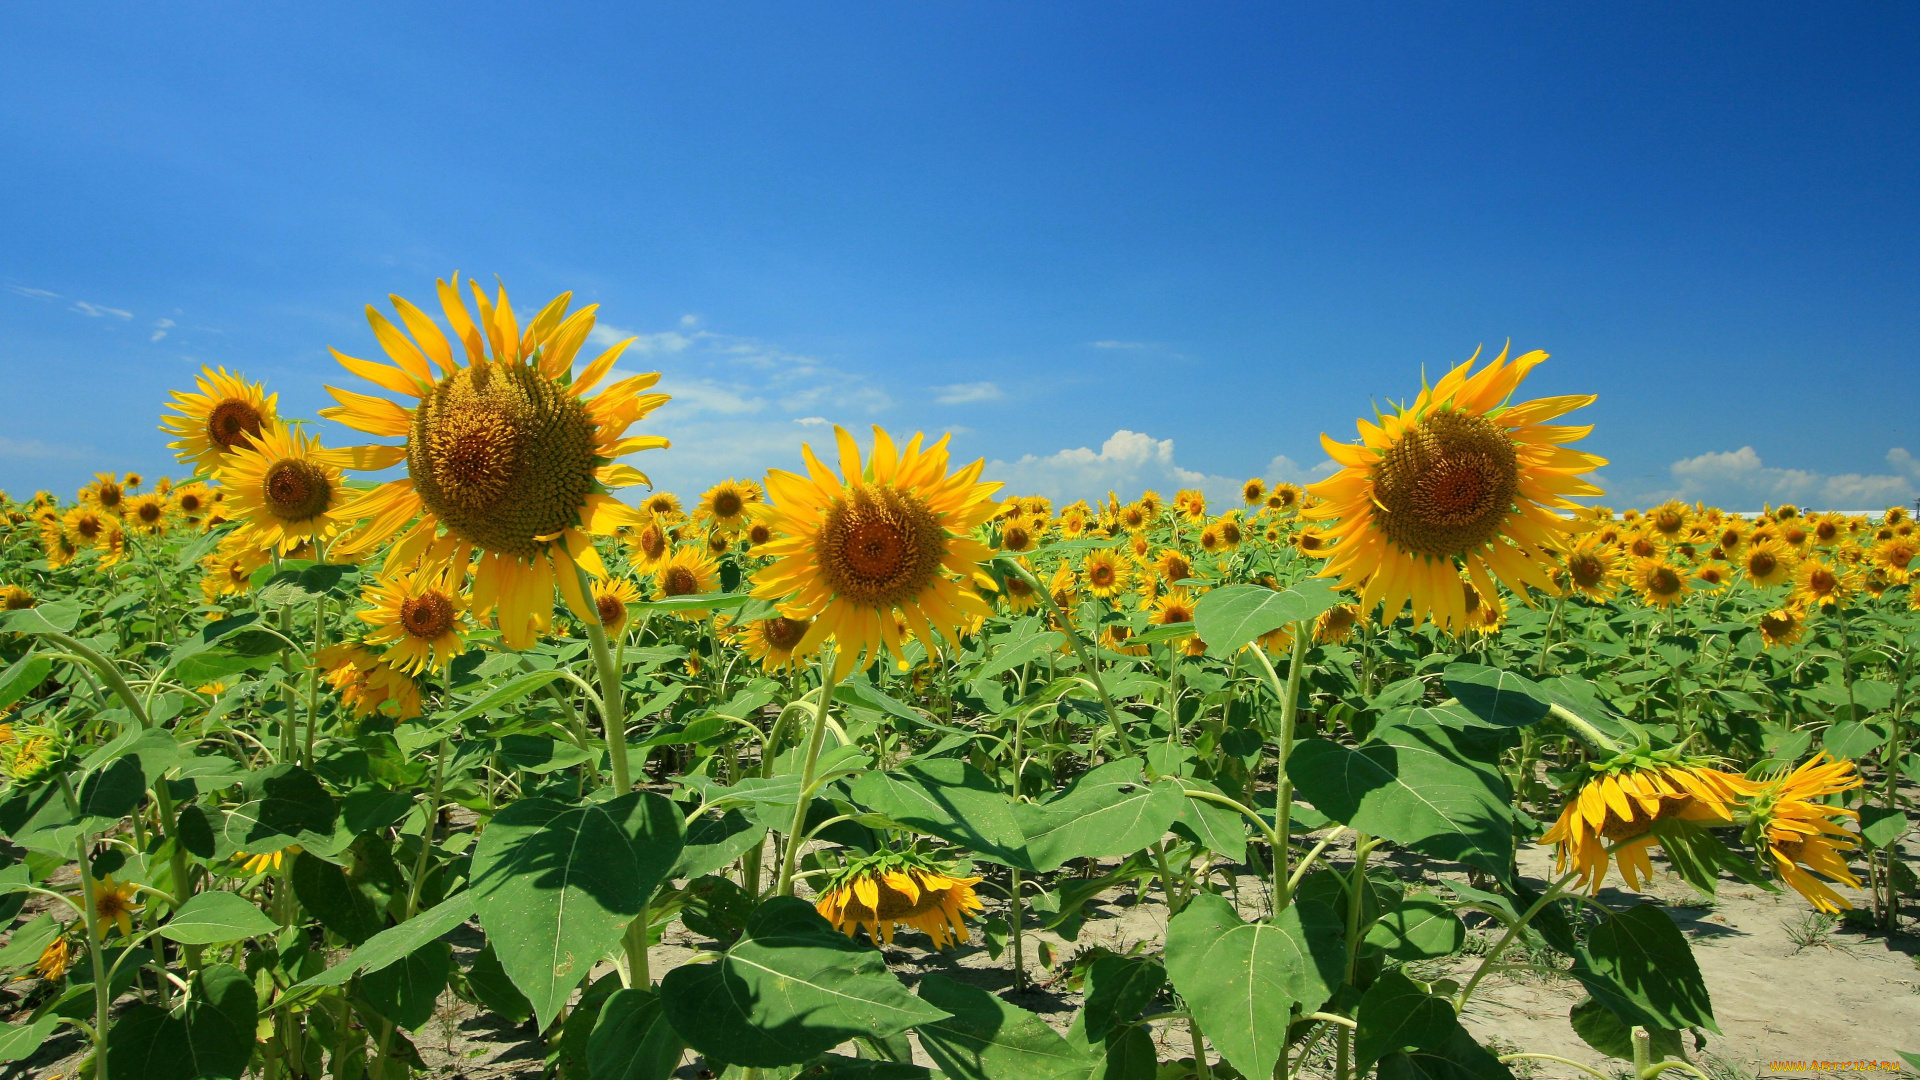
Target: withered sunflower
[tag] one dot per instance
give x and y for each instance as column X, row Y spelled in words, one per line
column 851, row 550
column 508, row 460
column 1458, row 480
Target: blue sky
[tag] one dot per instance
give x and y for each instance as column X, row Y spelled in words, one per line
column 1104, row 244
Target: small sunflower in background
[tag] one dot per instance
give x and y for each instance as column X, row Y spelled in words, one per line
column 1105, row 572
column 878, row 892
column 1017, row 536
column 61, row 548
column 852, row 550
column 107, row 493
column 367, row 683
column 611, row 595
column 1622, row 803
column 1659, row 582
column 689, row 571
column 662, row 504
column 193, row 500
column 228, row 412
column 1712, row 576
column 1459, row 480
column 1485, row 615
column 508, row 458
column 86, row 526
column 1253, row 492
column 1283, row 498
column 1894, row 557
column 1766, row 561
column 1174, row 606
column 648, row 544
column 1592, row 569
column 773, row 642
column 1021, row 597
column 725, row 506
column 1133, row 518
column 1782, row 627
column 1311, row 542
column 1191, row 504
column 1669, row 519
column 421, row 615
column 1336, row 624
column 147, row 514
column 1819, row 583
column 1803, row 837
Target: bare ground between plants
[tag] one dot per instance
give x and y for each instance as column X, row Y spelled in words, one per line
column 1788, row 986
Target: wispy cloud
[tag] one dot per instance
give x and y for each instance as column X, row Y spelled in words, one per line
column 967, row 393
column 100, row 310
column 1128, row 461
column 1110, row 344
column 34, row 448
column 1740, row 480
column 36, row 294
column 1283, row 469
column 160, row 329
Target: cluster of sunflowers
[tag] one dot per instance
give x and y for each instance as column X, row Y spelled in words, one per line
column 109, row 514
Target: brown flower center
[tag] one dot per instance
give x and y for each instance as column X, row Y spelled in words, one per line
column 296, row 490
column 1016, row 538
column 610, row 610
column 1444, row 487
column 679, row 581
column 1587, row 569
column 149, row 513
column 652, row 541
column 1662, row 581
column 880, row 546
column 428, row 615
column 783, row 633
column 1821, row 581
column 727, row 504
column 233, row 422
column 1761, row 563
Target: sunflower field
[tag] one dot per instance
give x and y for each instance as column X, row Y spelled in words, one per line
column 832, row 772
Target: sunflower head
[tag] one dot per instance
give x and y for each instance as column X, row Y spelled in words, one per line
column 878, row 892
column 1283, row 497
column 34, row 752
column 285, row 488
column 14, row 598
column 1336, row 624
column 1591, row 569
column 1803, row 836
column 1105, row 573
column 1894, row 556
column 856, row 547
column 55, row 960
column 688, row 571
column 1660, row 583
column 1613, row 814
column 1819, row 583
column 368, row 683
column 227, row 413
column 1459, row 480
column 420, row 615
column 775, row 642
column 1191, row 503
column 1781, row 627
column 1017, row 536
column 725, row 505
column 1253, row 492
column 113, row 904
column 1669, row 519
column 107, row 492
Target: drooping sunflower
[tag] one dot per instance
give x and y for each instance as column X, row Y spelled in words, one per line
column 852, row 549
column 1311, row 542
column 14, row 598
column 367, row 683
column 1766, row 561
column 1819, row 583
column 285, row 488
column 227, row 412
column 1659, row 582
column 229, row 570
column 1782, row 626
column 1485, row 614
column 1624, row 800
column 1592, row 569
column 774, row 642
column 1459, row 480
column 266, row 862
column 420, row 614
column 508, row 460
column 1336, row 624
column 689, row 571
column 877, row 892
column 147, row 514
column 724, row 505
column 1804, row 837
column 1105, row 573
column 55, row 960
column 61, row 548
column 611, row 595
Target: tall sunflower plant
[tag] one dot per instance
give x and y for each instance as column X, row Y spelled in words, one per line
column 326, row 736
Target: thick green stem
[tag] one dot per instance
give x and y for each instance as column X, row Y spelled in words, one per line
column 1015, row 908
column 1585, row 730
column 1200, row 1067
column 613, row 696
column 790, row 856
column 102, row 994
column 1289, row 696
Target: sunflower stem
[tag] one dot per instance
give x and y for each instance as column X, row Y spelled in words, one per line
column 1584, row 729
column 1289, row 696
column 1513, row 930
column 102, row 995
column 790, row 856
column 613, row 696
column 1079, row 650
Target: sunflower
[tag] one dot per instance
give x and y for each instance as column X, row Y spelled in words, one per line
column 718, row 542
column 113, row 546
column 1783, row 626
column 227, row 413
column 1113, row 638
column 648, row 544
column 229, row 570
column 853, row 549
column 265, row 862
column 86, row 527
column 285, row 487
column 1669, row 519
column 1253, row 492
column 774, row 642
column 878, row 892
column 1176, row 605
column 32, row 751
column 1828, row 529
column 663, row 504
column 1064, row 588
column 420, row 614
column 689, row 571
column 1623, row 801
column 611, row 595
column 504, row 452
column 1021, row 597
column 1818, row 583
column 724, row 505
column 1712, row 576
column 1659, row 582
column 1105, row 573
column 14, row 598
column 1592, row 570
column 193, row 500
column 1766, row 561
column 113, row 904
column 367, row 683
column 1336, row 624
column 759, row 533
column 1172, row 566
column 1796, row 534
column 1311, row 542
column 1894, row 556
column 106, row 493
column 1641, row 543
column 1016, row 536
column 147, row 514
column 55, row 960
column 1133, row 518
column 1073, row 525
column 1460, row 477
column 1803, row 835
column 61, row 548
column 1283, row 497
column 1485, row 615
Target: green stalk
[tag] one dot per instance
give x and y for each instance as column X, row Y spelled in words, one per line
column 1362, row 847
column 102, row 995
column 1289, row 696
column 791, row 855
column 1014, row 918
column 613, row 696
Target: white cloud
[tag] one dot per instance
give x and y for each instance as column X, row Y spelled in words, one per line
column 34, row 448
column 1283, row 469
column 98, row 310
column 967, row 392
column 1740, row 480
column 36, row 294
column 813, row 421
column 1120, row 344
column 1127, row 463
column 160, row 329
column 665, row 342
